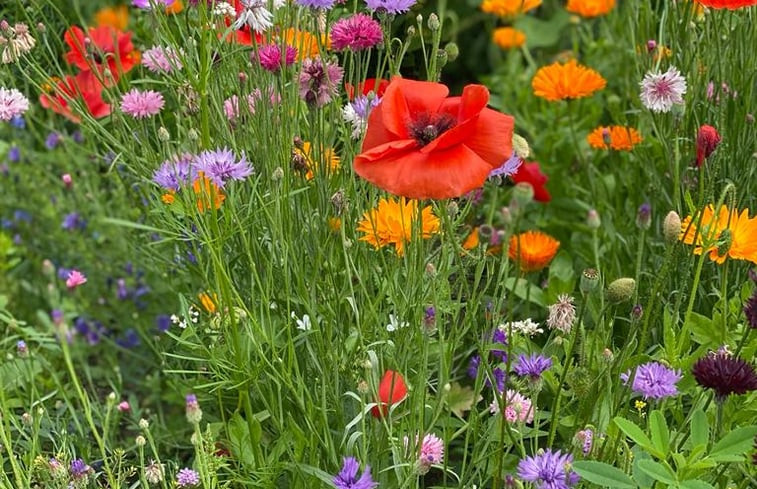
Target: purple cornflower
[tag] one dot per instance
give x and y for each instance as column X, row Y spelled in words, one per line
column 52, row 140
column 14, row 154
column 473, row 364
column 147, row 4
column 73, row 220
column 175, row 172
column 221, row 165
column 347, row 477
column 319, row 81
column 22, row 349
column 326, row 4
column 508, row 168
column 654, row 380
column 357, row 33
column 548, row 470
column 271, row 59
column 390, row 6
column 163, row 323
column 187, row 478
column 532, row 366
column 79, row 469
column 356, row 113
column 499, row 337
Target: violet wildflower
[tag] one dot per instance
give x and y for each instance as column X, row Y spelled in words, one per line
column 324, row 4
column 187, row 478
column 12, row 103
column 255, row 15
column 725, row 374
column 356, row 33
column 532, row 366
column 52, row 140
column 22, row 350
column 347, row 477
column 548, row 470
column 270, row 57
column 562, row 314
column 390, row 6
column 75, row 278
column 176, row 172
column 79, row 469
column 654, row 380
column 73, row 221
column 142, row 104
column 660, row 91
column 14, row 154
column 161, row 59
column 473, row 365
column 220, row 166
column 356, row 113
column 148, row 4
column 193, row 411
column 508, row 168
column 644, row 216
column 319, row 81
column 429, row 319
column 585, row 439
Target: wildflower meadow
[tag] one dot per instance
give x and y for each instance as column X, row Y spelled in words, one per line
column 396, row 244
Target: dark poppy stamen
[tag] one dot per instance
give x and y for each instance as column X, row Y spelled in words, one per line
column 427, row 127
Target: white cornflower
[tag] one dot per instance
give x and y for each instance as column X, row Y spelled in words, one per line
column 12, row 103
column 660, row 91
column 562, row 314
column 395, row 324
column 255, row 15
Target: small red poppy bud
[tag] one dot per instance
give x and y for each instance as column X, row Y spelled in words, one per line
column 392, row 390
column 707, row 140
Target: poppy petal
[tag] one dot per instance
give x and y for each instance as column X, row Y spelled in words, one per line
column 404, row 100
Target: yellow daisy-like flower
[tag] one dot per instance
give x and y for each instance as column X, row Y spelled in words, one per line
column 729, row 234
column 532, row 250
column 570, row 80
column 590, row 8
column 393, row 221
column 619, row 138
column 116, row 17
column 508, row 8
column 508, row 37
column 312, row 162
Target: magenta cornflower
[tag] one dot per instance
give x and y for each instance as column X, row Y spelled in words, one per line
column 12, row 103
column 187, row 478
column 654, row 380
column 347, row 477
column 221, row 165
column 548, row 470
column 160, row 59
column 432, row 453
column 74, row 279
column 390, row 6
column 231, row 105
column 270, row 58
column 319, row 81
column 532, row 366
column 517, row 407
column 142, row 104
column 356, row 33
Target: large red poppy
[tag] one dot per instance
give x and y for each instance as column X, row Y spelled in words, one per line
column 101, row 47
column 85, row 88
column 729, row 4
column 392, row 390
column 377, row 86
column 531, row 173
column 421, row 144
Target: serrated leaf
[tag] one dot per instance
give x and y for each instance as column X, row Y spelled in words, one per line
column 657, row 471
column 460, row 399
column 734, row 444
column 603, row 474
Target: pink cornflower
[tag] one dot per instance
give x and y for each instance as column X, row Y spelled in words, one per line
column 319, row 81
column 12, row 103
column 431, row 452
column 517, row 407
column 75, row 278
column 660, row 91
column 271, row 59
column 159, row 59
column 124, row 406
column 141, row 104
column 356, row 33
column 67, row 180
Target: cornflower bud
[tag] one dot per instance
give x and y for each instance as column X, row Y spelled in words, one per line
column 453, row 51
column 592, row 219
column 193, row 411
column 644, row 216
column 140, row 441
column 671, row 227
column 621, row 290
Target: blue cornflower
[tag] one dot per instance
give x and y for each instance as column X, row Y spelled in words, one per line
column 221, row 166
column 654, row 380
column 52, row 140
column 316, row 3
column 532, row 366
column 347, row 477
column 508, row 168
column 390, row 6
column 548, row 470
column 175, row 172
column 14, row 154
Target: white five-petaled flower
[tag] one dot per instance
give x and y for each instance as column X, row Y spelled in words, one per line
column 303, row 324
column 660, row 91
column 395, row 323
column 256, row 15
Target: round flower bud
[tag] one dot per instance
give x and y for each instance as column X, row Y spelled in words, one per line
column 144, row 424
column 621, row 290
column 452, row 51
column 644, row 216
column 523, row 194
column 163, row 134
column 520, row 147
column 592, row 219
column 277, row 174
column 671, row 227
column 140, row 441
column 433, row 22
column 589, row 280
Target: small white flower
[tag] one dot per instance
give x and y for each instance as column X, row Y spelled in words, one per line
column 303, row 324
column 395, row 324
column 224, row 9
column 174, row 319
column 183, row 324
column 255, row 15
column 526, row 327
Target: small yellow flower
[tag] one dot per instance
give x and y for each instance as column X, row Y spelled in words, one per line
column 168, row 198
column 313, row 161
column 208, row 303
column 640, row 405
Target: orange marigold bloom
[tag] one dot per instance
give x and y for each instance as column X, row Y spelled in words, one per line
column 619, row 138
column 168, row 198
column 393, row 222
column 176, row 7
column 208, row 194
column 590, row 8
column 305, row 43
column 473, row 240
column 729, row 234
column 570, row 80
column 532, row 250
column 116, row 17
column 508, row 37
column 509, row 8
column 306, row 155
column 208, row 303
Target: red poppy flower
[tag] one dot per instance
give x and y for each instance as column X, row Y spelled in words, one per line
column 85, row 88
column 101, row 46
column 377, row 86
column 729, row 4
column 531, row 173
column 392, row 390
column 421, row 144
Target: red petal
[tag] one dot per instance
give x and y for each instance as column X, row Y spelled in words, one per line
column 404, row 100
column 531, row 173
column 492, row 138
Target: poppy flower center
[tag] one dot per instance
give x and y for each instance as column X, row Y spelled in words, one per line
column 427, row 127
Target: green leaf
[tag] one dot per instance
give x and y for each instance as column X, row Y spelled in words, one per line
column 239, row 439
column 603, row 474
column 658, row 472
column 635, row 433
column 732, row 446
column 695, row 484
column 460, row 399
column 658, row 428
column 700, row 428
column 525, row 290
column 543, row 33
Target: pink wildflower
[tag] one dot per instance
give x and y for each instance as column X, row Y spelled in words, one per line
column 142, row 104
column 12, row 103
column 75, row 278
column 356, row 33
column 270, row 57
column 159, row 59
column 67, row 180
column 517, row 407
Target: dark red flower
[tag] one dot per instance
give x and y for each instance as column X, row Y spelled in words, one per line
column 392, row 390
column 707, row 140
column 421, row 144
column 531, row 173
column 750, row 310
column 83, row 88
column 377, row 86
column 725, row 374
column 102, row 47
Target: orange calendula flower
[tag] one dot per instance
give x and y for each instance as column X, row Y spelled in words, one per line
column 590, row 8
column 208, row 194
column 619, row 138
column 176, row 7
column 168, row 198
column 116, row 17
column 508, row 37
column 335, row 224
column 208, row 303
column 473, row 240
column 508, row 8
column 570, row 80
column 532, row 250
column 393, row 222
column 305, row 43
column 304, row 156
column 729, row 234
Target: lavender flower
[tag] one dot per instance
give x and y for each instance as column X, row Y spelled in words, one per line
column 347, row 477
column 319, row 81
column 325, row 4
column 390, row 6
column 221, row 166
column 548, row 470
column 532, row 366
column 175, row 172
column 79, row 469
column 508, row 168
column 356, row 113
column 187, row 478
column 654, row 380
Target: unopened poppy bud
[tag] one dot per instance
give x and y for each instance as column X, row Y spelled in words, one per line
column 433, row 22
column 644, row 216
column 507, row 215
column 452, row 51
column 520, row 147
column 708, row 140
column 621, row 290
column 441, row 58
column 592, row 219
column 671, row 227
column 523, row 194
column 589, row 280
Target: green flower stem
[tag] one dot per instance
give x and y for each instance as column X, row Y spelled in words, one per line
column 5, row 434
